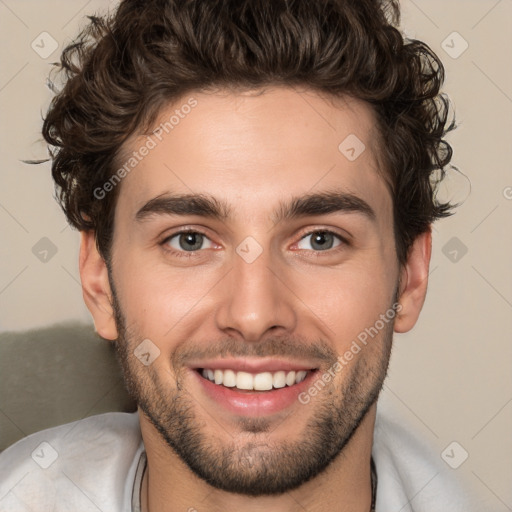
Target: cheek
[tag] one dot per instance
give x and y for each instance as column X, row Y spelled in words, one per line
column 156, row 299
column 347, row 300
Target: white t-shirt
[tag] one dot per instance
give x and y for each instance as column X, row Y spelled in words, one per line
column 97, row 464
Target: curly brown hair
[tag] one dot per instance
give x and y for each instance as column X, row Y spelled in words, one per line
column 123, row 68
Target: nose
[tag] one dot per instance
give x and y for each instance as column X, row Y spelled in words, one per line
column 255, row 301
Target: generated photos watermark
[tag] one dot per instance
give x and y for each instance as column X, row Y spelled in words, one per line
column 355, row 347
column 149, row 144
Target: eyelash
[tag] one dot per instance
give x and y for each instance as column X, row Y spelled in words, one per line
column 192, row 254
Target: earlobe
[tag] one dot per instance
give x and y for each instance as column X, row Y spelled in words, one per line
column 413, row 284
column 96, row 287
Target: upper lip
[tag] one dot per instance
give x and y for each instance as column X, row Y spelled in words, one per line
column 254, row 365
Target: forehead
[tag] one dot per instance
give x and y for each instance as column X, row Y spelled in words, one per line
column 252, row 149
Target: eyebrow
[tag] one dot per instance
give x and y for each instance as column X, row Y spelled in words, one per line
column 323, row 203
column 202, row 205
column 186, row 204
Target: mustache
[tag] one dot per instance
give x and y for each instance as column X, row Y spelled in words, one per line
column 294, row 348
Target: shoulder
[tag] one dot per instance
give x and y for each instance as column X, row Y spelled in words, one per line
column 80, row 465
column 411, row 475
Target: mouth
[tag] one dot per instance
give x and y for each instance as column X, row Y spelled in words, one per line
column 253, row 390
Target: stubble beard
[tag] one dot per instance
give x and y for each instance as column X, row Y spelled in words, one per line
column 257, row 466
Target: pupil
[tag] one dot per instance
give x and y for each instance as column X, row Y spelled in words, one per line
column 322, row 240
column 191, row 241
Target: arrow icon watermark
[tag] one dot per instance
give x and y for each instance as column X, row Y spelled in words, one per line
column 352, row 147
column 249, row 249
column 146, row 352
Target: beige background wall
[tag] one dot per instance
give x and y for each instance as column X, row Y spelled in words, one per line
column 452, row 374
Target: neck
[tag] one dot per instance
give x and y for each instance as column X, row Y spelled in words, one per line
column 169, row 484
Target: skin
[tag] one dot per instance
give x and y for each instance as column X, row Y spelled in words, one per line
column 254, row 152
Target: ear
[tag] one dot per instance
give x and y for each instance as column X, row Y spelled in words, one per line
column 413, row 282
column 96, row 287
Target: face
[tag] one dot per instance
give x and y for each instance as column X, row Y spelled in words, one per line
column 251, row 255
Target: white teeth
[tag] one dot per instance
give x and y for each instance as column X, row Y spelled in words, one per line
column 258, row 382
column 290, row 378
column 263, row 381
column 229, row 379
column 300, row 376
column 244, row 380
column 279, row 379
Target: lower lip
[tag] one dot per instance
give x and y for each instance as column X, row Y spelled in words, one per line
column 257, row 403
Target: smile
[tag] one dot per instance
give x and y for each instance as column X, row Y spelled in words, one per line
column 250, row 388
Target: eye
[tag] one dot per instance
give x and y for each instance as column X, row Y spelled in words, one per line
column 188, row 241
column 320, row 241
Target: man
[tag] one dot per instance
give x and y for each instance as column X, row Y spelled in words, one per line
column 253, row 183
